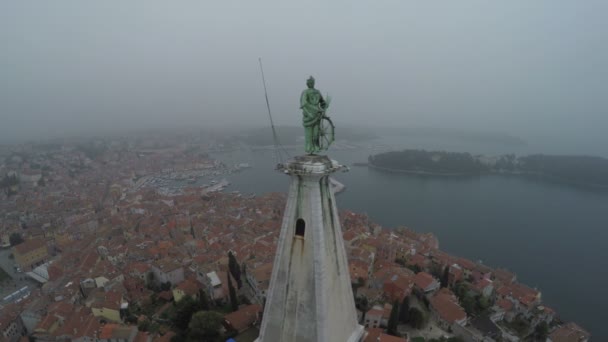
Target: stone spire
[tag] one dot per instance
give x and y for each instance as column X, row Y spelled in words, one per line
column 310, row 296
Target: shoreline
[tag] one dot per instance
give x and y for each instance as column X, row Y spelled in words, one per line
column 525, row 174
column 420, row 172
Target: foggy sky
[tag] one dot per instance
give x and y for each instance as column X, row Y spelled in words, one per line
column 529, row 68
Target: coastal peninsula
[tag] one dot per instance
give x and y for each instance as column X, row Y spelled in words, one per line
column 582, row 170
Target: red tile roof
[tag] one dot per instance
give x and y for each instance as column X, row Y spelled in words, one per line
column 505, row 304
column 166, row 295
column 138, row 267
column 446, row 305
column 190, row 287
column 373, row 334
column 423, row 280
column 482, row 284
column 389, row 338
column 373, row 312
column 570, row 332
column 244, row 317
column 141, row 336
column 108, row 300
column 81, row 323
column 8, row 315
column 262, row 273
column 29, row 246
column 107, row 330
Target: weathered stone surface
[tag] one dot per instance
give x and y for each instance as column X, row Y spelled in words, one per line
column 310, row 297
column 311, row 164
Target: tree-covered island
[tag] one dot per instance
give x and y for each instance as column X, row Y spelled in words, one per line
column 584, row 170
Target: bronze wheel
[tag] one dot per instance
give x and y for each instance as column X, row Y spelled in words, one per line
column 326, row 133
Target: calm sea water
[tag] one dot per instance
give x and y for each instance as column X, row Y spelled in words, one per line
column 553, row 236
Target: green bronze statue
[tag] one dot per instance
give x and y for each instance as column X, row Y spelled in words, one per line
column 318, row 128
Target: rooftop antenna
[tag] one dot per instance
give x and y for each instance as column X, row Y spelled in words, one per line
column 278, row 149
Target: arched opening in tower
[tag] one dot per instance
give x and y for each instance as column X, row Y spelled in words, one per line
column 300, row 227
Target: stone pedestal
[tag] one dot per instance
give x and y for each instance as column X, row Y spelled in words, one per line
column 310, row 297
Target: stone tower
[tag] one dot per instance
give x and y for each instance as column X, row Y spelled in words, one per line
column 310, row 297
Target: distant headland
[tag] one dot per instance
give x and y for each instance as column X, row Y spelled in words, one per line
column 581, row 170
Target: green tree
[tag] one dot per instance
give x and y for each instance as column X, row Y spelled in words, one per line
column 143, row 325
column 15, row 239
column 154, row 327
column 416, row 318
column 131, row 319
column 179, row 337
column 401, row 261
column 468, row 304
column 203, row 300
column 445, row 278
column 184, row 310
column 455, row 339
column 165, row 286
column 461, row 289
column 520, row 325
column 206, row 326
column 483, row 304
column 362, row 304
column 235, row 269
column 541, row 331
column 404, row 310
column 436, row 271
column 414, row 268
column 234, row 301
column 393, row 320
column 9, row 181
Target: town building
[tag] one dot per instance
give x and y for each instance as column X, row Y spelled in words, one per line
column 570, row 332
column 378, row 335
column 243, row 318
column 117, row 333
column 167, row 270
column 446, row 309
column 373, row 317
column 188, row 287
column 107, row 305
column 426, row 282
column 215, row 288
column 258, row 279
column 30, row 253
column 11, row 325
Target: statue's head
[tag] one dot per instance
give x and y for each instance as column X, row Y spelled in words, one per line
column 310, row 82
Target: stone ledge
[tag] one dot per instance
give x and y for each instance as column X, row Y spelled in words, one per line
column 311, row 165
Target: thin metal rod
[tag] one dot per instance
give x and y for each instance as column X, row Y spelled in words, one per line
column 266, row 95
column 277, row 145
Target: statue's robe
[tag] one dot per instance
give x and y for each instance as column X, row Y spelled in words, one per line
column 313, row 105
